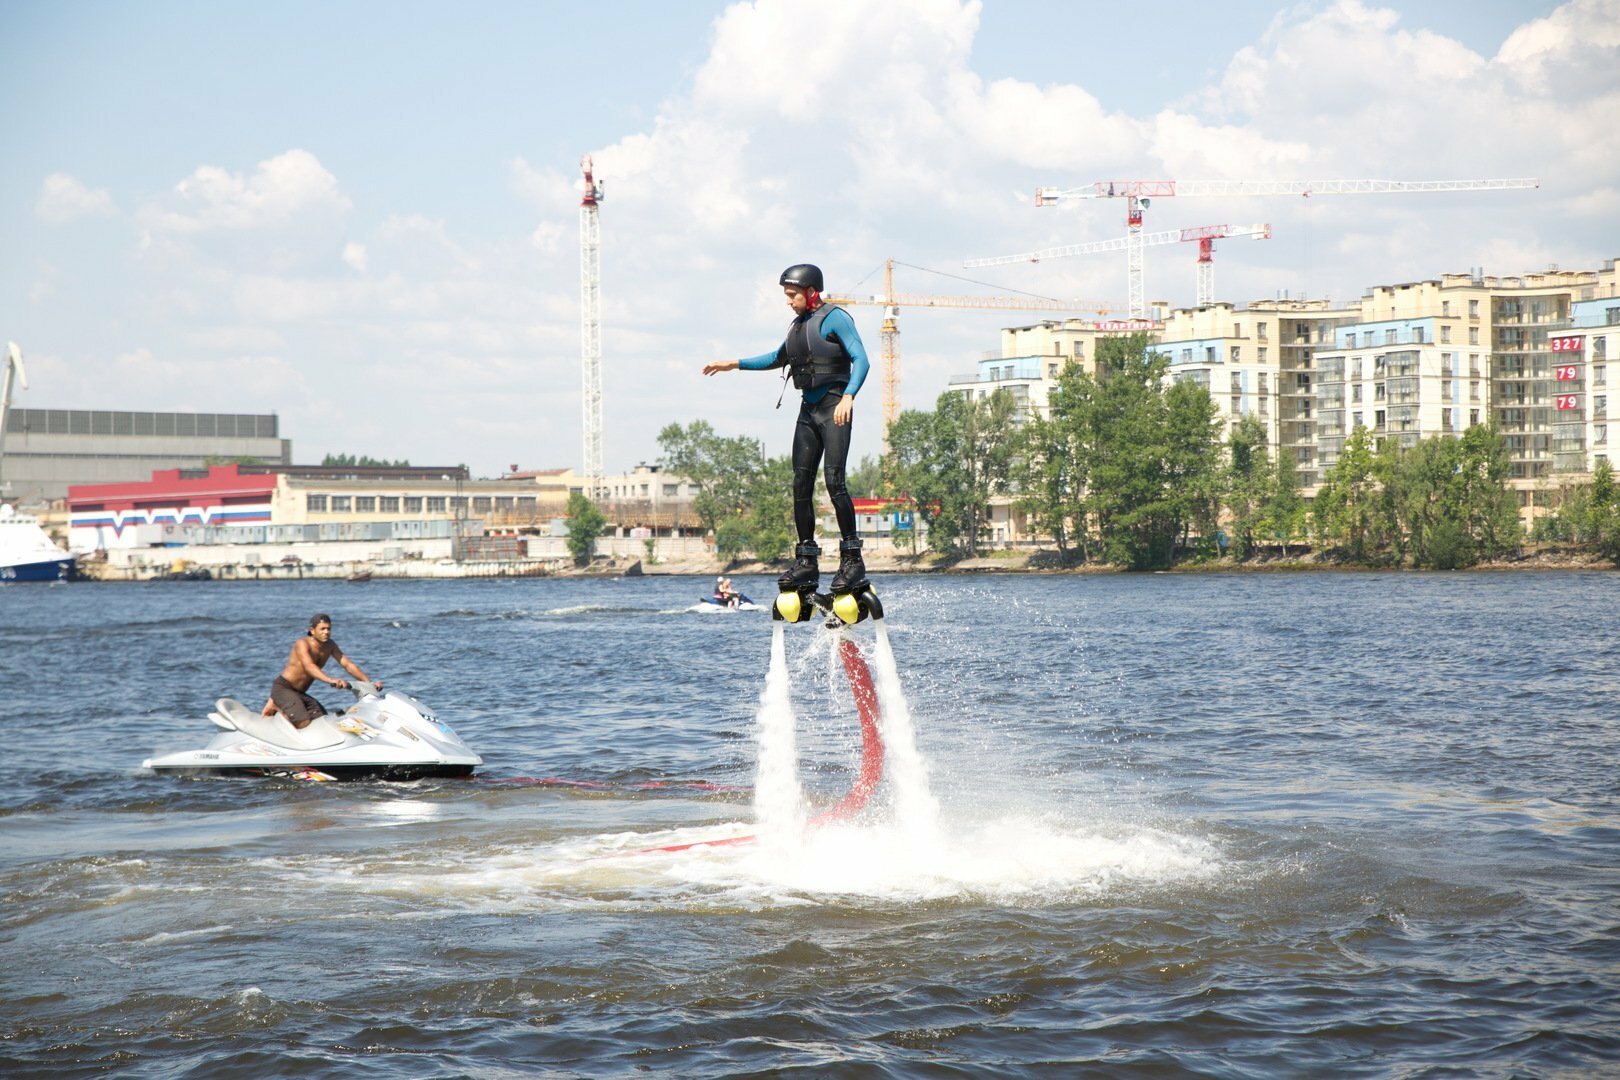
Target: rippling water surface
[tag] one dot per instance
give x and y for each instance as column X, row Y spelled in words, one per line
column 1250, row 825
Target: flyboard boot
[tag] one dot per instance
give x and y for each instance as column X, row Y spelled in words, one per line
column 796, row 602
column 852, row 598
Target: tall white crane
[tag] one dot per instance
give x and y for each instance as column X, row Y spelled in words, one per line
column 1204, row 236
column 590, row 325
column 1138, row 193
column 12, row 367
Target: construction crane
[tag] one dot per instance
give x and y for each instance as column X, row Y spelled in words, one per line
column 891, row 302
column 1204, row 235
column 10, row 366
column 1138, row 194
column 590, row 325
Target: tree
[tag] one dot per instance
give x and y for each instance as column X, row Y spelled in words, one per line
column 363, row 462
column 1048, row 473
column 585, row 523
column 720, row 468
column 1285, row 514
column 1250, row 483
column 952, row 461
column 865, row 481
column 1352, row 510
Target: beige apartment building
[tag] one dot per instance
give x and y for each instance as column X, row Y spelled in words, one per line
column 1027, row 364
column 1259, row 360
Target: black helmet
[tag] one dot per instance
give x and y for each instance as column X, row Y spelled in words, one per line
column 803, row 275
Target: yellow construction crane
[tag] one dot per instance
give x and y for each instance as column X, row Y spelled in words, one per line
column 891, row 302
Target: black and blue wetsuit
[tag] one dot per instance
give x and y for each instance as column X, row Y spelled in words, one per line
column 825, row 371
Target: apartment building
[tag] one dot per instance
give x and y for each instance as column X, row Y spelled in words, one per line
column 1031, row 357
column 1259, row 360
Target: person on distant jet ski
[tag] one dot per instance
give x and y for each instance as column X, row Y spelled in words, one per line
column 826, row 360
column 304, row 663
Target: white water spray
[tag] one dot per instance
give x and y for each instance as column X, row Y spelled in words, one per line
column 778, row 801
column 916, row 810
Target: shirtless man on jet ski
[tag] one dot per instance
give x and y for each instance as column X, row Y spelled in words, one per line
column 309, row 654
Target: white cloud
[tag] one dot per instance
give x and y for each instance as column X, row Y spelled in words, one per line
column 65, row 198
column 355, row 255
column 279, row 191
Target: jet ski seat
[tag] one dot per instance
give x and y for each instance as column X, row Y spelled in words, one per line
column 278, row 730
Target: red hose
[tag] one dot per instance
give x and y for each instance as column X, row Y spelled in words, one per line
column 871, row 771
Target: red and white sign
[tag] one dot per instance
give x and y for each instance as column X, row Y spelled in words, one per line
column 1568, row 401
column 1566, row 372
column 1566, row 344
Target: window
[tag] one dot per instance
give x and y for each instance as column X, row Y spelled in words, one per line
column 1445, row 307
column 1600, row 434
column 1473, row 309
column 1445, row 420
column 315, row 503
column 504, row 502
column 1389, row 337
column 672, row 489
column 1417, row 334
column 1260, row 331
column 341, row 504
column 1355, row 368
column 1051, row 371
column 1473, row 335
column 1600, row 372
column 413, row 504
column 1262, row 352
column 388, row 504
column 436, row 504
column 1186, row 356
column 1236, row 353
column 1378, row 419
column 1473, row 418
column 365, row 504
column 1079, row 349
column 1355, row 393
column 1445, row 335
column 1237, row 329
column 458, row 503
column 481, row 504
column 1355, row 421
column 1473, row 365
column 1262, row 383
column 1210, row 356
column 1600, row 405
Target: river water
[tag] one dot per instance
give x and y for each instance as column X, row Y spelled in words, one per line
column 1218, row 825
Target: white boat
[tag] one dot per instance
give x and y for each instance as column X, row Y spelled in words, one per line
column 26, row 553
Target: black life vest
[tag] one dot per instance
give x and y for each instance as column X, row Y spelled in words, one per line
column 811, row 359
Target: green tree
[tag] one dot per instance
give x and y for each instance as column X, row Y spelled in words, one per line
column 1154, row 464
column 363, row 461
column 1351, row 511
column 585, row 523
column 1452, row 500
column 865, row 481
column 1049, row 475
column 1285, row 516
column 1250, row 484
column 952, row 461
column 722, row 469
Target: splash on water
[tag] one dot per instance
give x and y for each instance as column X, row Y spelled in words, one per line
column 916, row 810
column 779, row 804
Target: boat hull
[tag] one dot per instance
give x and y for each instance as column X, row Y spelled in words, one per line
column 48, row 570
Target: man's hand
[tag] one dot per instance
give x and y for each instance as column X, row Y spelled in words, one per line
column 341, row 684
column 721, row 365
column 269, row 708
column 844, row 410
column 378, row 684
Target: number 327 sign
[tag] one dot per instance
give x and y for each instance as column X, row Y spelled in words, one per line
column 1566, row 344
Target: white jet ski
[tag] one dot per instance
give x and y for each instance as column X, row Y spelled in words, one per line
column 388, row 736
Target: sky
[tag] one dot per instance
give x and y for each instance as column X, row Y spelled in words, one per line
column 364, row 217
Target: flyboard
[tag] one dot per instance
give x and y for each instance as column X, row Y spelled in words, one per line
column 840, row 610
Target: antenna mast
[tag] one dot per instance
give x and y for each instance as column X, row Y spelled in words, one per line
column 590, row 296
column 10, row 366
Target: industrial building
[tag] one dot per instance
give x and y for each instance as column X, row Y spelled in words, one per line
column 47, row 450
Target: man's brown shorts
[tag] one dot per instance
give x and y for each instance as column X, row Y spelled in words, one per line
column 294, row 704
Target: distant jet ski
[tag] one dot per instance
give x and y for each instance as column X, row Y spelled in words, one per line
column 735, row 602
column 388, row 736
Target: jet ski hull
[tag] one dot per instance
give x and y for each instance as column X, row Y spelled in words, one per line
column 381, row 737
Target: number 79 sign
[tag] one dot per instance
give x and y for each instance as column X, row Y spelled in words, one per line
column 1568, row 401
column 1566, row 372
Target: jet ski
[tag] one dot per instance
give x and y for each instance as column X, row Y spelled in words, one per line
column 734, row 602
column 388, row 736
